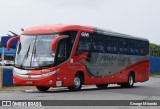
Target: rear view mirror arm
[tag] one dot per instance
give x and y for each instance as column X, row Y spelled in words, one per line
column 11, row 40
column 56, row 40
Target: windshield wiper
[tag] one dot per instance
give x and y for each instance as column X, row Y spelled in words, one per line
column 34, row 51
column 26, row 55
column 35, row 54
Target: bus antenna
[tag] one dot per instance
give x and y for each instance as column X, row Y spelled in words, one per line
column 14, row 34
column 9, row 35
column 22, row 29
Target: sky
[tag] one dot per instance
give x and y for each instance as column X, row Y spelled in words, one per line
column 140, row 18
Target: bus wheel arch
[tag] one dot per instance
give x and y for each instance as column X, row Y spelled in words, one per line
column 77, row 81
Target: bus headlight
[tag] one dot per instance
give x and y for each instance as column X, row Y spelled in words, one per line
column 50, row 73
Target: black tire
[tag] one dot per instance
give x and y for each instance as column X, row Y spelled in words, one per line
column 77, row 83
column 102, row 86
column 42, row 89
column 130, row 81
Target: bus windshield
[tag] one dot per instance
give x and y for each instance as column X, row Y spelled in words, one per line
column 35, row 51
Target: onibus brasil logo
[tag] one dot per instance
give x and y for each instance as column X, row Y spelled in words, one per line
column 21, row 103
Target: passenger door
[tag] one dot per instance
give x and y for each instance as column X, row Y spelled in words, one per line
column 62, row 63
column 61, row 55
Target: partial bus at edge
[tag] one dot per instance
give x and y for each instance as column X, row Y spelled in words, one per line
column 73, row 55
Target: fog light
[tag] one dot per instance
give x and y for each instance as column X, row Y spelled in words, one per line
column 50, row 82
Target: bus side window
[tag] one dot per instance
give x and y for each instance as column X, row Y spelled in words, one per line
column 65, row 46
column 123, row 46
column 146, row 48
column 144, row 45
column 105, row 43
column 70, row 41
column 61, row 53
column 134, row 46
column 112, row 46
column 133, row 49
column 99, row 43
column 84, row 45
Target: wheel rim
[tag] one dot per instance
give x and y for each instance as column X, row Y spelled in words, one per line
column 77, row 82
column 131, row 80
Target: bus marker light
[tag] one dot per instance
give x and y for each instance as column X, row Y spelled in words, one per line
column 50, row 81
column 71, row 61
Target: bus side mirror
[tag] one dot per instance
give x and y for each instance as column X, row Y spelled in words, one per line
column 11, row 40
column 56, row 40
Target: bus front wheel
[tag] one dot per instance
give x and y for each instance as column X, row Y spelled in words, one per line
column 77, row 83
column 42, row 89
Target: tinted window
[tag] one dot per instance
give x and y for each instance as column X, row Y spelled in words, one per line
column 105, row 43
column 112, row 44
column 84, row 44
column 133, row 47
column 123, row 46
column 138, row 47
column 70, row 41
column 65, row 46
column 144, row 48
column 98, row 43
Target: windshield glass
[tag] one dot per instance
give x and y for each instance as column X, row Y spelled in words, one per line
column 35, row 51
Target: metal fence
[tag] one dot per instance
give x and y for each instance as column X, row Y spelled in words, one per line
column 154, row 64
column 7, row 79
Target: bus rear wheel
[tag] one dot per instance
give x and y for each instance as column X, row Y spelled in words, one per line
column 42, row 89
column 130, row 81
column 102, row 86
column 77, row 83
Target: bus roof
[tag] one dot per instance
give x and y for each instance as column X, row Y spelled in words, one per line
column 111, row 33
column 50, row 29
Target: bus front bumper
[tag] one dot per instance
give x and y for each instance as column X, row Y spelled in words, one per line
column 49, row 81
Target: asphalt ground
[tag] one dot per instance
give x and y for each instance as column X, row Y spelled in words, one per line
column 149, row 90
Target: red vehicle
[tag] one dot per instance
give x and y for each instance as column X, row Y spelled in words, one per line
column 72, row 56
